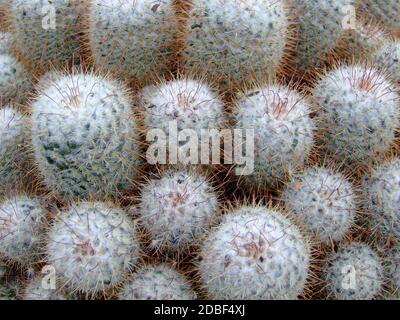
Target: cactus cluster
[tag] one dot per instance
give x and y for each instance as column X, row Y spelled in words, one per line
column 199, row 149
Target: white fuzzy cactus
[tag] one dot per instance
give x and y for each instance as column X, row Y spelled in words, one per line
column 386, row 12
column 177, row 208
column 324, row 200
column 320, row 29
column 283, row 131
column 21, row 226
column 184, row 104
column 392, row 271
column 236, row 41
column 381, row 192
column 15, row 81
column 159, row 282
column 12, row 149
column 358, row 112
column 387, row 58
column 6, row 42
column 92, row 246
column 46, row 31
column 83, row 135
column 37, row 289
column 255, row 253
column 133, row 38
column 355, row 272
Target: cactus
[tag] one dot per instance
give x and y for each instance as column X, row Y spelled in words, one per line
column 236, row 41
column 92, row 246
column 6, row 42
column 392, row 271
column 132, row 38
column 387, row 58
column 21, row 225
column 159, row 282
column 40, row 43
column 83, row 135
column 320, row 28
column 177, row 208
column 387, row 12
column 15, row 81
column 358, row 111
column 12, row 149
column 36, row 291
column 324, row 200
column 381, row 191
column 255, row 253
column 283, row 129
column 355, row 272
column 188, row 104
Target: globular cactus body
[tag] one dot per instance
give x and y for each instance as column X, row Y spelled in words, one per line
column 324, row 200
column 381, row 191
column 387, row 58
column 132, row 38
column 46, row 32
column 355, row 272
column 320, row 29
column 358, row 112
column 21, row 226
column 159, row 282
column 236, row 41
column 386, row 12
column 83, row 136
column 15, row 81
column 12, row 149
column 283, row 131
column 256, row 253
column 92, row 246
column 177, row 208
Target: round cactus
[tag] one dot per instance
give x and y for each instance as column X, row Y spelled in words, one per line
column 387, row 12
column 320, row 29
column 6, row 42
column 324, row 200
column 358, row 112
column 133, row 38
column 21, row 224
column 355, row 272
column 46, row 32
column 364, row 40
column 159, row 282
column 387, row 58
column 177, row 208
column 37, row 290
column 15, row 81
column 83, row 135
column 392, row 271
column 283, row 131
column 256, row 253
column 381, row 191
column 236, row 41
column 92, row 246
column 12, row 149
column 182, row 104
